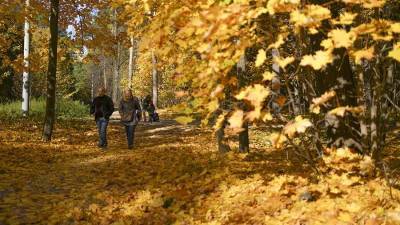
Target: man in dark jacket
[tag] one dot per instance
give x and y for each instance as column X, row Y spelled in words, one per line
column 102, row 108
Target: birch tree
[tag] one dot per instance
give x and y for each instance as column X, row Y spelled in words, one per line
column 25, row 76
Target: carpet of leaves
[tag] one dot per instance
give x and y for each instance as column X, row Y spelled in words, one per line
column 173, row 176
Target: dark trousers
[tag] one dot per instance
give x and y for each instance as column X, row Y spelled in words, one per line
column 130, row 134
column 102, row 124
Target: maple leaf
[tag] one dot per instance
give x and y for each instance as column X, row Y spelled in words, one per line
column 267, row 117
column 395, row 28
column 342, row 38
column 236, row 119
column 395, row 53
column 278, row 43
column 283, row 62
column 277, row 140
column 367, row 54
column 299, row 125
column 369, row 4
column 317, row 61
column 267, row 76
column 279, row 6
column 220, row 121
column 327, row 44
column 346, row 18
column 254, row 94
column 261, row 57
column 314, row 108
column 340, row 111
column 311, row 16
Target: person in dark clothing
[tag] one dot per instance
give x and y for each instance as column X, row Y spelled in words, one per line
column 149, row 107
column 102, row 108
column 130, row 111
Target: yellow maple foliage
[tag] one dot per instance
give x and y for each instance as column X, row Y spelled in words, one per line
column 317, row 61
column 366, row 54
column 395, row 53
column 261, row 57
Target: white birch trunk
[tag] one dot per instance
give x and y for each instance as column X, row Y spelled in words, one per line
column 104, row 74
column 116, row 80
column 130, row 69
column 25, row 75
column 92, row 81
column 155, row 79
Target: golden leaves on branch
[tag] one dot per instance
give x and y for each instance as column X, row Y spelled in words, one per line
column 346, row 18
column 297, row 126
column 369, row 4
column 341, row 38
column 236, row 119
column 283, row 62
column 279, row 42
column 395, row 27
column 255, row 94
column 317, row 102
column 319, row 60
column 268, row 76
column 280, row 6
column 395, row 53
column 340, row 111
column 261, row 57
column 366, row 54
column 311, row 16
column 277, row 140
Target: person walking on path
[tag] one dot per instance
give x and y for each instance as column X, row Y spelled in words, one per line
column 102, row 108
column 130, row 111
column 149, row 107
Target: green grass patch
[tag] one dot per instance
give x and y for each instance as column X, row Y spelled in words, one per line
column 65, row 109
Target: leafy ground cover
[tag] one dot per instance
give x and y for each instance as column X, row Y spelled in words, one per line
column 174, row 176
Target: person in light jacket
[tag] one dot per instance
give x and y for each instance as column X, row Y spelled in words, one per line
column 130, row 111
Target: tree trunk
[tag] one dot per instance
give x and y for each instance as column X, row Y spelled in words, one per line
column 104, row 73
column 51, row 73
column 130, row 69
column 25, row 76
column 244, row 142
column 116, row 80
column 92, row 85
column 155, row 79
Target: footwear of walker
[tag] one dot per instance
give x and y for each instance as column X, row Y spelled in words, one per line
column 102, row 147
column 130, row 147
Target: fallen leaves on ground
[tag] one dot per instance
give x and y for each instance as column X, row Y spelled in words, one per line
column 174, row 176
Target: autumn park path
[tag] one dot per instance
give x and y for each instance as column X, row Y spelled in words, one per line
column 173, row 176
column 169, row 176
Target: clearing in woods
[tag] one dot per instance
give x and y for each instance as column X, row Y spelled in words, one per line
column 173, row 176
